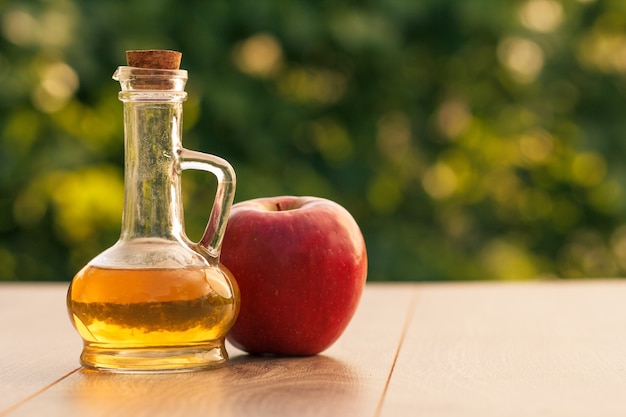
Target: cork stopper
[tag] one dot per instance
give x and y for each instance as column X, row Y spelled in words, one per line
column 154, row 59
column 155, row 69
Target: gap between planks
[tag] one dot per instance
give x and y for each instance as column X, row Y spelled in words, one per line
column 407, row 324
column 24, row 400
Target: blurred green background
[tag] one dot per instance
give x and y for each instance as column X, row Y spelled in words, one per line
column 472, row 139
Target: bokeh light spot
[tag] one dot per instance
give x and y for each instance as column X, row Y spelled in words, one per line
column 522, row 57
column 260, row 55
column 87, row 199
column 453, row 118
column 541, row 15
column 537, row 146
column 58, row 82
column 384, row 194
column 19, row 27
column 312, row 85
column 440, row 181
column 506, row 261
column 588, row 169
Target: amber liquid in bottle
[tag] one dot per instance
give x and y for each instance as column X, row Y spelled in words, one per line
column 126, row 308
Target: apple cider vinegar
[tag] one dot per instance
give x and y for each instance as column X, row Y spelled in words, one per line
column 160, row 307
column 151, row 309
column 156, row 301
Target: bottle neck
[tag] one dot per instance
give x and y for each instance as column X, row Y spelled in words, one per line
column 152, row 143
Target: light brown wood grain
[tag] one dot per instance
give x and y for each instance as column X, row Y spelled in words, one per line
column 459, row 349
column 525, row 349
column 349, row 379
column 37, row 342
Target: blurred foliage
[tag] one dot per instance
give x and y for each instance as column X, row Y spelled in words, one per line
column 470, row 139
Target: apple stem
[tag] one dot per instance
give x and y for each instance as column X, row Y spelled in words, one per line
column 278, row 207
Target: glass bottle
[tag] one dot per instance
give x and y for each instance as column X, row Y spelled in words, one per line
column 156, row 301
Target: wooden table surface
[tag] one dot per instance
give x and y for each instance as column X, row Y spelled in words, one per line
column 458, row 349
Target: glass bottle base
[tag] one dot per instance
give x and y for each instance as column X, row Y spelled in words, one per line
column 154, row 360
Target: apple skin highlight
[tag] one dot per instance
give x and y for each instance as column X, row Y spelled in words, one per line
column 301, row 266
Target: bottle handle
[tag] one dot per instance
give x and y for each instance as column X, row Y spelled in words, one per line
column 211, row 241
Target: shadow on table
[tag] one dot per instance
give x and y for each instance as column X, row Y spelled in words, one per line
column 247, row 385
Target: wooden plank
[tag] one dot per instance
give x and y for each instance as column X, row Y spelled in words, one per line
column 37, row 342
column 348, row 379
column 524, row 349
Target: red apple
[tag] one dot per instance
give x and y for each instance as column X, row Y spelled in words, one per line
column 301, row 265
